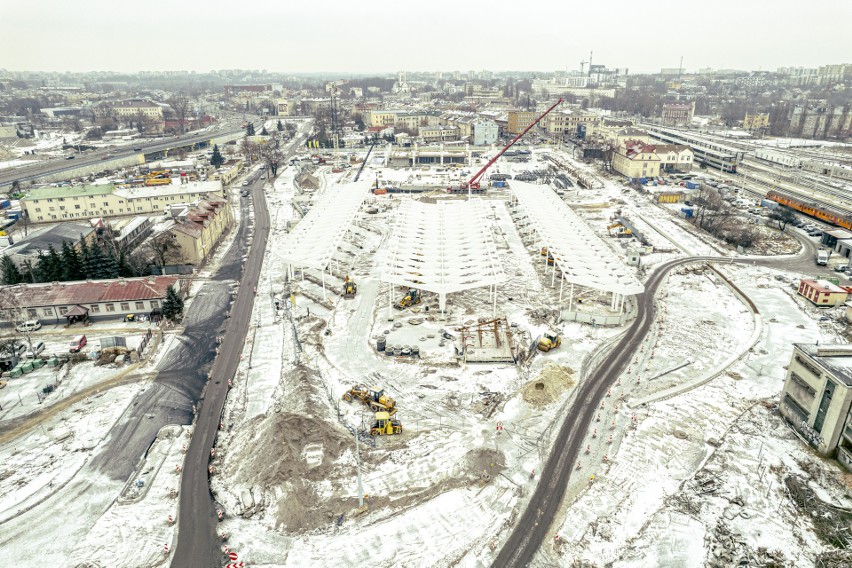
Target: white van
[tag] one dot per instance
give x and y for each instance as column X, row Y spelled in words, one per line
column 37, row 348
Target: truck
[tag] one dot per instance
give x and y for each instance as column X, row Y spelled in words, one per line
column 822, row 257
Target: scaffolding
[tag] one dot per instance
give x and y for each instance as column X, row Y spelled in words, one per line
column 443, row 248
column 580, row 256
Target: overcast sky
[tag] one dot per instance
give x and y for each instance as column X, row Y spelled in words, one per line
column 374, row 36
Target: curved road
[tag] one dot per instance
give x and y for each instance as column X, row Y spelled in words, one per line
column 196, row 515
column 534, row 525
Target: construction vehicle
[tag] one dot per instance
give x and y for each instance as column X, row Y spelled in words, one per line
column 550, row 340
column 385, row 425
column 550, row 260
column 544, row 251
column 158, row 178
column 411, row 298
column 473, row 183
column 376, row 399
column 618, row 230
column 349, row 288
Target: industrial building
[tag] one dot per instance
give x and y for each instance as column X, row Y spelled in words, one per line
column 817, row 395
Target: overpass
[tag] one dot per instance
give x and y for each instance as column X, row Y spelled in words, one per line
column 58, row 169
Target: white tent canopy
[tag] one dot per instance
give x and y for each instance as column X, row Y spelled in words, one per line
column 444, row 247
column 315, row 239
column 582, row 257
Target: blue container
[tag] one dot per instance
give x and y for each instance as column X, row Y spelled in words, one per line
column 5, row 203
column 499, row 184
column 691, row 184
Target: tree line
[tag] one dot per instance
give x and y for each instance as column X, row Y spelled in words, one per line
column 91, row 261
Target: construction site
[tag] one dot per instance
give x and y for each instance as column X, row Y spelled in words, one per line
column 421, row 333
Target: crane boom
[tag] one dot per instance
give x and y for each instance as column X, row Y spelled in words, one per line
column 474, row 181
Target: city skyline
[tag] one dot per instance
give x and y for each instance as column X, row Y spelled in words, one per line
column 385, row 38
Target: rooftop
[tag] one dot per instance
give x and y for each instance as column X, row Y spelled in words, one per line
column 93, row 291
column 50, row 192
column 835, row 358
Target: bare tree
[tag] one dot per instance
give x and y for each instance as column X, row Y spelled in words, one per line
column 164, row 249
column 12, row 314
column 181, row 105
column 272, row 156
column 783, row 216
column 249, row 149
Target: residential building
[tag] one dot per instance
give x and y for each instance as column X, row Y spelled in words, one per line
column 678, row 114
column 249, row 91
column 822, row 293
column 518, row 120
column 817, row 396
column 408, row 119
column 286, row 107
column 228, row 171
column 200, row 227
column 675, row 157
column 570, row 122
column 438, row 133
column 635, row 159
column 485, row 132
column 130, row 108
column 619, row 137
column 97, row 299
column 46, row 204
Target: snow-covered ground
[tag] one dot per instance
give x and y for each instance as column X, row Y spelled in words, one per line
column 693, row 412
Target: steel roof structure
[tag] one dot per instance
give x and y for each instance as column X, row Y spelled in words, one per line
column 315, row 239
column 443, row 248
column 582, row 257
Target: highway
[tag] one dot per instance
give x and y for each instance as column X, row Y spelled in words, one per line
column 535, row 523
column 59, row 165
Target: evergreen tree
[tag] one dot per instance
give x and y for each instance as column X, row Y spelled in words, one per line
column 93, row 264
column 84, row 257
column 10, row 273
column 54, row 261
column 72, row 264
column 110, row 267
column 264, row 132
column 249, row 129
column 172, row 305
column 216, row 159
column 280, row 125
column 41, row 272
column 29, row 272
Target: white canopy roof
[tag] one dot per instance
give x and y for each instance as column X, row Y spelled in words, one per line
column 315, row 239
column 582, row 256
column 443, row 247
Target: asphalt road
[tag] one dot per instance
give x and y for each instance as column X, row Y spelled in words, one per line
column 196, row 515
column 535, row 523
column 58, row 165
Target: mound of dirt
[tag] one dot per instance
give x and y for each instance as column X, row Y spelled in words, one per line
column 480, row 464
column 549, row 385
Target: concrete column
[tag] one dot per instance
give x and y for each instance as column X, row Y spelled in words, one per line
column 561, row 284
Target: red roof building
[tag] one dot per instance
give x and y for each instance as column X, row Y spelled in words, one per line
column 99, row 298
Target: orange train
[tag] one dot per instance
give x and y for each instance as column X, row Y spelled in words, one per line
column 815, row 209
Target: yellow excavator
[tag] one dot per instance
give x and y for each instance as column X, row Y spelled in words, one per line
column 376, row 399
column 349, row 288
column 550, row 340
column 385, row 425
column 411, row 298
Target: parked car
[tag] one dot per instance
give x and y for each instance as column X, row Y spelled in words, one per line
column 29, row 325
column 20, row 349
column 69, row 157
column 37, row 348
column 77, row 344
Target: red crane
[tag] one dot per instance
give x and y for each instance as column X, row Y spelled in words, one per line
column 473, row 183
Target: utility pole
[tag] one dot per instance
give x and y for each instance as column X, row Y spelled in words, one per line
column 358, row 461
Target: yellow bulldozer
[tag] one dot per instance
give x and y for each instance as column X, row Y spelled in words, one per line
column 411, row 298
column 349, row 288
column 376, row 399
column 550, row 340
column 385, row 425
